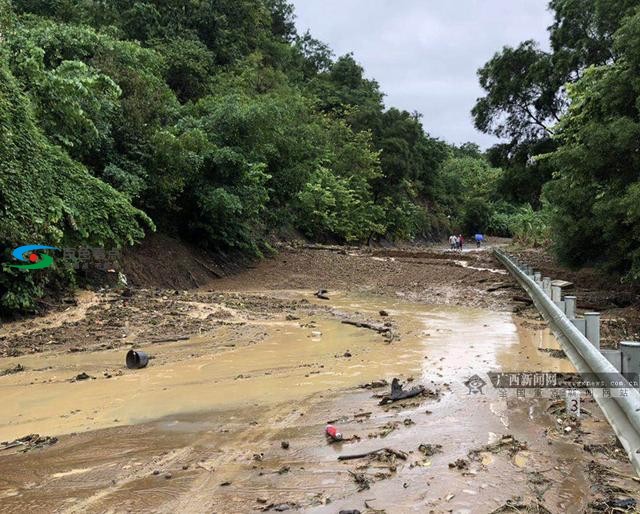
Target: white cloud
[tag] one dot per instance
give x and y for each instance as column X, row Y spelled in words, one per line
column 425, row 53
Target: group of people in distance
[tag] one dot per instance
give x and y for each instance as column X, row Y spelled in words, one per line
column 457, row 242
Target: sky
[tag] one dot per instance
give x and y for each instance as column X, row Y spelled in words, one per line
column 425, row 53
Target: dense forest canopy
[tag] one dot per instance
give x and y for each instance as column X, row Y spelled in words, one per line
column 212, row 121
column 571, row 119
column 215, row 121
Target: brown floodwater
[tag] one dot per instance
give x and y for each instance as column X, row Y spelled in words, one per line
column 206, row 417
column 293, row 361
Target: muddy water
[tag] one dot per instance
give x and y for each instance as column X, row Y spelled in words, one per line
column 294, row 361
column 291, row 363
column 216, row 412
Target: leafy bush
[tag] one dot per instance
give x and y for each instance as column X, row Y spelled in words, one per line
column 334, row 206
column 530, row 227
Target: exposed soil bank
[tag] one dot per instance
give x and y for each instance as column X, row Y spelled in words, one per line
column 254, row 360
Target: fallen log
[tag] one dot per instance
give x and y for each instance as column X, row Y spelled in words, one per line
column 499, row 286
column 381, row 329
column 397, row 453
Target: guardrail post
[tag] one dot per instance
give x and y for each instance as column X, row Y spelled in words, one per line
column 546, row 286
column 537, row 276
column 581, row 325
column 570, row 307
column 556, row 296
column 614, row 357
column 593, row 328
column 630, row 356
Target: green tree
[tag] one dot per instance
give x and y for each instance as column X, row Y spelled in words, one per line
column 190, row 66
column 595, row 190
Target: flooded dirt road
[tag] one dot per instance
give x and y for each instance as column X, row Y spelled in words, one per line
column 229, row 416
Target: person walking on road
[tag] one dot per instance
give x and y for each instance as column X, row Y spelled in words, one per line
column 479, row 239
column 460, row 242
column 452, row 241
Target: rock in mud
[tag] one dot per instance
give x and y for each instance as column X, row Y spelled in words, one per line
column 322, row 294
column 460, row 464
column 18, row 368
column 279, row 507
column 284, row 445
column 429, row 450
column 376, row 384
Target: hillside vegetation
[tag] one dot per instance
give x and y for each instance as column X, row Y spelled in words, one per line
column 572, row 121
column 217, row 123
column 212, row 121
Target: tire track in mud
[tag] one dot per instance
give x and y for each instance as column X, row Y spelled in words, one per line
column 210, row 464
column 122, row 483
column 233, row 465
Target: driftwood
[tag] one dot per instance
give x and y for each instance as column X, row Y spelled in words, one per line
column 381, row 329
column 522, row 299
column 11, row 445
column 397, row 393
column 399, row 454
column 499, row 286
column 170, row 339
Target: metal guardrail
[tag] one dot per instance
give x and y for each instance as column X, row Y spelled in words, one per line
column 622, row 412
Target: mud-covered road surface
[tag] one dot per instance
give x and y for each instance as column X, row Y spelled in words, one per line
column 246, row 372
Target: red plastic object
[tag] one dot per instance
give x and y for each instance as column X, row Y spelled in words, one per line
column 333, row 433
